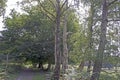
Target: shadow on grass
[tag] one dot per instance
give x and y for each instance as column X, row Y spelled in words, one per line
column 36, row 74
column 113, row 76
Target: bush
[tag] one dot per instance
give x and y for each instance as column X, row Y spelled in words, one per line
column 3, row 73
column 74, row 74
column 14, row 68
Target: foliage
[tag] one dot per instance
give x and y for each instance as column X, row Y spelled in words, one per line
column 31, row 35
column 2, row 7
column 38, row 76
column 74, row 74
column 79, row 45
column 2, row 72
column 28, row 40
column 111, row 76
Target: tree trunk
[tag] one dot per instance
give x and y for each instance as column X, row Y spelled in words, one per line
column 40, row 65
column 89, row 66
column 65, row 49
column 34, row 65
column 7, row 61
column 99, row 57
column 49, row 66
column 56, row 74
column 81, row 66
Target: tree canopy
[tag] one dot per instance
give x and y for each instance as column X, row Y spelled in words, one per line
column 54, row 32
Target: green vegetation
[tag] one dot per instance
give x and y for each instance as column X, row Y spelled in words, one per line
column 35, row 76
column 110, row 76
column 13, row 76
column 57, row 35
column 38, row 76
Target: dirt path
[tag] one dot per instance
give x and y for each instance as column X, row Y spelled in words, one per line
column 25, row 75
column 28, row 74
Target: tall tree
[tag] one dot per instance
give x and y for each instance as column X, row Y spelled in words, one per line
column 2, row 13
column 65, row 48
column 55, row 16
column 99, row 58
column 57, row 42
column 58, row 6
column 2, row 7
column 100, row 53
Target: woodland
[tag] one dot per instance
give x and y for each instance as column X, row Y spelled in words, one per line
column 61, row 40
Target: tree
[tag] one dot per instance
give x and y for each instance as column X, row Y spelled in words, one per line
column 2, row 7
column 33, row 33
column 28, row 35
column 100, row 53
column 2, row 13
column 65, row 47
column 56, row 14
column 99, row 58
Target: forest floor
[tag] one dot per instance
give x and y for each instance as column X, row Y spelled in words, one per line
column 25, row 75
column 28, row 74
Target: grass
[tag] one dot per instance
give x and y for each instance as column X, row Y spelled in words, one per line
column 105, row 75
column 13, row 76
column 110, row 75
column 38, row 76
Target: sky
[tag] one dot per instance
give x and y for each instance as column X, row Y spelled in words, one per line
column 10, row 5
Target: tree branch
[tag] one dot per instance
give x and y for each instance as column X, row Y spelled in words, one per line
column 48, row 16
column 64, row 4
column 109, row 20
column 112, row 3
column 52, row 4
column 62, row 12
column 113, row 20
column 45, row 9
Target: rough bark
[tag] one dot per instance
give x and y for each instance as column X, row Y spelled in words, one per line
column 65, row 49
column 99, row 57
column 89, row 66
column 81, row 66
column 49, row 66
column 7, row 61
column 56, row 74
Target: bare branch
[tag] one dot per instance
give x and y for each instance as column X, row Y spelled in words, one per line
column 64, row 4
column 46, row 10
column 109, row 20
column 112, row 3
column 113, row 20
column 52, row 4
column 62, row 12
column 49, row 17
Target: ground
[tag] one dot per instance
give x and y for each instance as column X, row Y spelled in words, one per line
column 29, row 74
column 26, row 75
